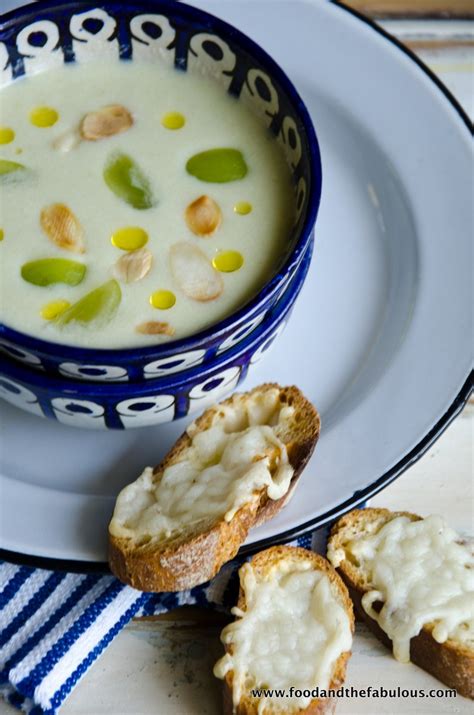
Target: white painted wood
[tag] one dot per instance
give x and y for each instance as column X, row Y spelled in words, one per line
column 406, row 29
column 455, row 66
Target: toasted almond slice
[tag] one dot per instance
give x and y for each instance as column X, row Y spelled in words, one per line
column 63, row 228
column 194, row 273
column 67, row 141
column 203, row 216
column 154, row 327
column 110, row 120
column 133, row 266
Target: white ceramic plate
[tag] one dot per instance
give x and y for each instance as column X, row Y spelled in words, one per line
column 380, row 339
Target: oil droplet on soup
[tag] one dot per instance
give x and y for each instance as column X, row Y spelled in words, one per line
column 243, row 208
column 7, row 135
column 43, row 117
column 129, row 238
column 162, row 299
column 53, row 310
column 228, row 261
column 173, row 120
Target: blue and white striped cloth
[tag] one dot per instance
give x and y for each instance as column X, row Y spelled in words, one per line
column 54, row 625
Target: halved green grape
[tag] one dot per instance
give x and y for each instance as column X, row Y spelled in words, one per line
column 218, row 165
column 10, row 167
column 53, row 270
column 125, row 178
column 99, row 305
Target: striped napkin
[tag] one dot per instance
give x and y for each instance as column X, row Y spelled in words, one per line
column 54, row 625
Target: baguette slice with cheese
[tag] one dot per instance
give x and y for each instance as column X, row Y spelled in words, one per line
column 235, row 466
column 412, row 581
column 293, row 628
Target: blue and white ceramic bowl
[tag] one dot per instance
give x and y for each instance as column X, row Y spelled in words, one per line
column 138, row 404
column 39, row 36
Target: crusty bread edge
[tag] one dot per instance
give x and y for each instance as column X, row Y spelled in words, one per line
column 192, row 560
column 322, row 706
column 449, row 662
column 299, row 453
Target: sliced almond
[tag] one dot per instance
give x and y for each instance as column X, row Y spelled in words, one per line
column 67, row 141
column 154, row 327
column 63, row 228
column 133, row 266
column 194, row 273
column 106, row 122
column 203, row 216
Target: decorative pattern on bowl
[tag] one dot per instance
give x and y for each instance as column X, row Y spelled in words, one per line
column 125, row 405
column 46, row 34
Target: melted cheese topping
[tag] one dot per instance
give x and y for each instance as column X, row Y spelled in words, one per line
column 225, row 467
column 422, row 572
column 292, row 633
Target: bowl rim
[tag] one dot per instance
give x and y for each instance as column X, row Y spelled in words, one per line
column 175, row 382
column 246, row 311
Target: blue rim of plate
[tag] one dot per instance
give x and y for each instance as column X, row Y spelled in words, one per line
column 314, row 198
column 361, row 496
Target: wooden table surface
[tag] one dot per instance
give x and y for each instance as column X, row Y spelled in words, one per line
column 414, row 8
column 164, row 665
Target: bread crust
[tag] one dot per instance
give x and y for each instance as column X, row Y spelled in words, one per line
column 452, row 663
column 262, row 563
column 190, row 559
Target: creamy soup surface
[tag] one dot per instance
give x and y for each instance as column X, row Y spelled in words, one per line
column 252, row 215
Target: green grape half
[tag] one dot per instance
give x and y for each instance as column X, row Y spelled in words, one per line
column 46, row 271
column 99, row 305
column 10, row 168
column 218, row 165
column 124, row 177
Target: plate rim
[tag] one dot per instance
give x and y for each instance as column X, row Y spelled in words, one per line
column 406, row 461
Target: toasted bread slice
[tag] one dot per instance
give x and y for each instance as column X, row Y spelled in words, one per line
column 451, row 661
column 235, row 466
column 293, row 628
